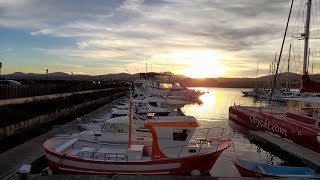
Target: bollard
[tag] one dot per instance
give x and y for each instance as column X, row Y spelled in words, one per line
column 24, row 172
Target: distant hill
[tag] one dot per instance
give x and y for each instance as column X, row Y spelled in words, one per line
column 262, row 81
column 65, row 76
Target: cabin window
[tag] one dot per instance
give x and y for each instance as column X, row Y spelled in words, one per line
column 154, row 104
column 105, row 126
column 180, row 134
column 122, row 128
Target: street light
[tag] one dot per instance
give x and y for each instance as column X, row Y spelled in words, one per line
column 47, row 72
column 0, row 68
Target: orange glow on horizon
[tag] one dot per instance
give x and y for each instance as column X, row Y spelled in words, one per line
column 201, row 64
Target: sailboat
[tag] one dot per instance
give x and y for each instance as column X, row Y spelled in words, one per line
column 300, row 123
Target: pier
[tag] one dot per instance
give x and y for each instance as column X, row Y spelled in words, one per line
column 306, row 156
column 32, row 150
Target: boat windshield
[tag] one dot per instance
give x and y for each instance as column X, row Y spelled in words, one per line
column 118, row 127
column 105, row 126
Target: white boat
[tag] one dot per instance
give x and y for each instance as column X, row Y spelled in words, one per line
column 169, row 153
column 143, row 107
column 160, row 101
column 114, row 131
column 137, row 119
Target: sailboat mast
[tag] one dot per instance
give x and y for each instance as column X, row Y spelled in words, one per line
column 306, row 38
column 130, row 120
column 283, row 40
column 287, row 84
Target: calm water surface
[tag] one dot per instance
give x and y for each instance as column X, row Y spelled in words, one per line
column 213, row 112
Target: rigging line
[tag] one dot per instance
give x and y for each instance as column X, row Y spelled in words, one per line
column 297, row 19
column 285, row 60
column 316, row 45
column 284, row 39
column 296, row 42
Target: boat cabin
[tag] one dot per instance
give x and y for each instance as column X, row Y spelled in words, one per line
column 170, row 138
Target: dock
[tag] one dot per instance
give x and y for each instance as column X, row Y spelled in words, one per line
column 145, row 177
column 307, row 157
column 30, row 151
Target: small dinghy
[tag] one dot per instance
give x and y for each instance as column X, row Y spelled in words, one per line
column 252, row 169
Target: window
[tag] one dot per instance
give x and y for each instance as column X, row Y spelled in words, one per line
column 122, row 128
column 180, row 134
column 154, row 104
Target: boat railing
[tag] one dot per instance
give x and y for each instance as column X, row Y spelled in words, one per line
column 246, row 102
column 101, row 156
column 70, row 129
column 204, row 141
column 66, row 129
column 211, row 132
column 259, row 105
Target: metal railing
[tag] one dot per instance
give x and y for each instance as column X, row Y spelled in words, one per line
column 114, row 157
column 260, row 105
column 207, row 141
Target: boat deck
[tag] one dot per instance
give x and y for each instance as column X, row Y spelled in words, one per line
column 308, row 157
column 280, row 114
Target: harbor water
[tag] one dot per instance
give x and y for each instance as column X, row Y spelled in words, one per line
column 213, row 112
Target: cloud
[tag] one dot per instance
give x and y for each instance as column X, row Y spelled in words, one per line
column 120, row 31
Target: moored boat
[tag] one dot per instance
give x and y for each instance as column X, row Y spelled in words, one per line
column 252, row 169
column 170, row 152
column 299, row 123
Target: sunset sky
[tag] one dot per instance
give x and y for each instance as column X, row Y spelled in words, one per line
column 198, row 38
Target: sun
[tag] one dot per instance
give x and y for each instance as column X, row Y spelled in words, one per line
column 202, row 64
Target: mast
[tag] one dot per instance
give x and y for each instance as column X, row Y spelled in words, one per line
column 146, row 71
column 270, row 73
column 308, row 62
column 130, row 120
column 283, row 40
column 287, row 84
column 306, row 38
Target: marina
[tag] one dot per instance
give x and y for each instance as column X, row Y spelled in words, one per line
column 203, row 112
column 139, row 89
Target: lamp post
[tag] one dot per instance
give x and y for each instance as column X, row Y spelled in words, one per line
column 0, row 68
column 47, row 72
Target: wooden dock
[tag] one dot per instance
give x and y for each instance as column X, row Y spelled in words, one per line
column 28, row 152
column 144, row 177
column 307, row 157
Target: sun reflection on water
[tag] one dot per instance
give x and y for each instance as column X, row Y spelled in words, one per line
column 212, row 108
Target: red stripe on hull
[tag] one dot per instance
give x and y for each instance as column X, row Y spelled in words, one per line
column 203, row 163
column 302, row 134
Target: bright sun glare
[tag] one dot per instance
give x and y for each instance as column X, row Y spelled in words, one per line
column 201, row 64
